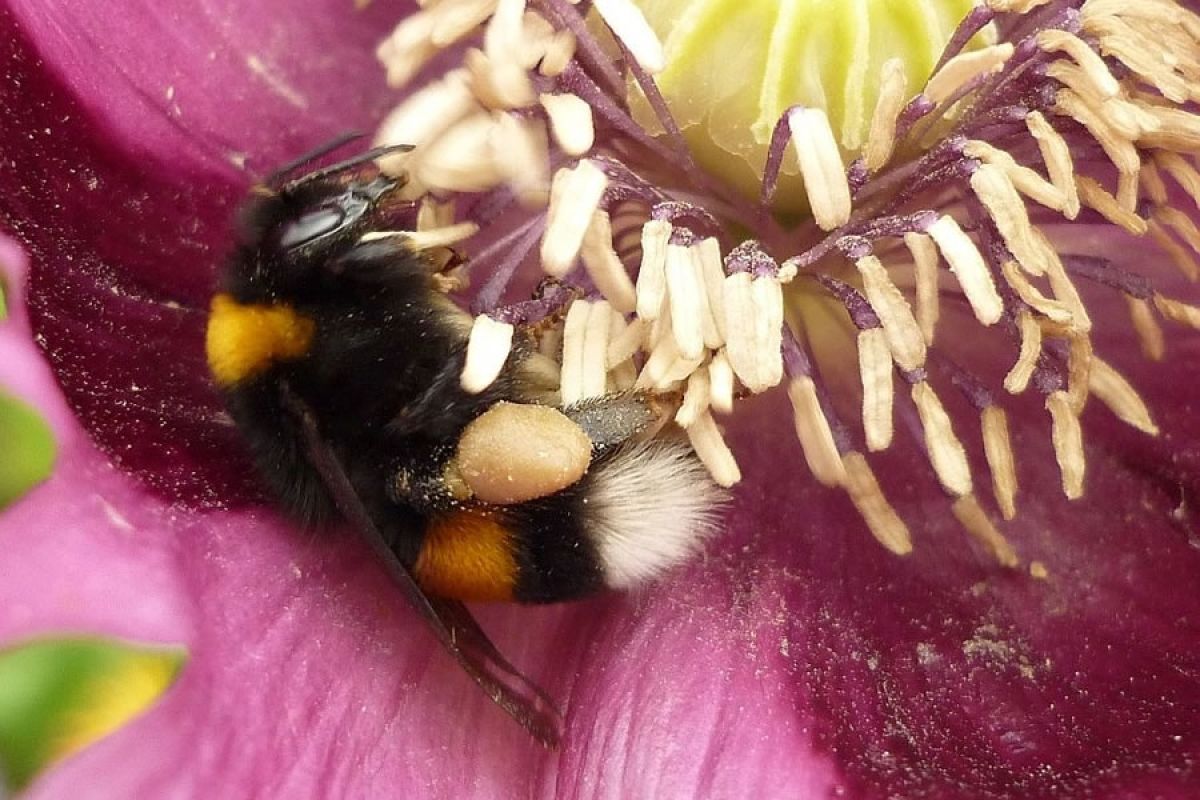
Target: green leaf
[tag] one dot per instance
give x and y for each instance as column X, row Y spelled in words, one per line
column 3, row 301
column 28, row 447
column 59, row 695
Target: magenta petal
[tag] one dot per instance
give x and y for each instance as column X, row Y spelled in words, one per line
column 800, row 659
column 306, row 675
column 71, row 561
column 936, row 673
column 306, row 679
column 210, row 82
column 23, row 373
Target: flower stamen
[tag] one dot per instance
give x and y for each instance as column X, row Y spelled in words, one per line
column 683, row 282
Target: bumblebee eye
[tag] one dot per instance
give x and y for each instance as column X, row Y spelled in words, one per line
column 312, row 225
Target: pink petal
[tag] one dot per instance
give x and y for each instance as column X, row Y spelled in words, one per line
column 798, row 659
column 208, row 83
column 72, row 559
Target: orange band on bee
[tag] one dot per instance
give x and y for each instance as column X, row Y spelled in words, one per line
column 245, row 340
column 467, row 555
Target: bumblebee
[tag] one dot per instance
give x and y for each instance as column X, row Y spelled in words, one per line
column 339, row 355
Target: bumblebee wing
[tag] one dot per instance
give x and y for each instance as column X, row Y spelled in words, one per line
column 449, row 620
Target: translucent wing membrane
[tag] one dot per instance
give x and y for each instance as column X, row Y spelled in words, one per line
column 449, row 620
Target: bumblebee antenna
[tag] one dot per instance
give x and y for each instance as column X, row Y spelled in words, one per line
column 341, row 140
column 342, row 166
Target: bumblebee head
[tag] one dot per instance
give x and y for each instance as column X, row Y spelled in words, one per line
column 293, row 238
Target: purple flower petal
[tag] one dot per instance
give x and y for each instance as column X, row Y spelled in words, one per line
column 209, row 82
column 799, row 659
column 70, row 562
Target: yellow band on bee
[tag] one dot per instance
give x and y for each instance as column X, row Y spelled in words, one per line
column 245, row 340
column 467, row 555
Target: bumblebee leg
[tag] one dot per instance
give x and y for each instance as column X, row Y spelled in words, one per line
column 615, row 418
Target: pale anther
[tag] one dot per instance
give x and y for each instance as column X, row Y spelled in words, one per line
column 1018, row 377
column 1032, row 296
column 629, row 25
column 964, row 67
column 1119, row 149
column 1153, row 185
column 1145, row 325
column 594, row 372
column 659, row 363
column 695, row 399
column 498, row 84
column 875, row 371
column 1026, row 181
column 997, row 193
column 652, row 277
column 885, row 524
column 972, row 517
column 969, row 268
column 574, row 196
column 1118, row 394
column 1068, row 443
column 487, row 350
column 1095, row 197
column 684, row 293
column 710, row 446
column 893, row 89
column 559, row 52
column 1176, row 311
column 754, row 321
column 720, row 377
column 603, row 265
column 903, row 333
column 570, row 122
column 503, row 34
column 1182, row 172
column 821, row 167
column 407, row 48
column 574, row 338
column 813, row 431
column 1059, row 164
column 423, row 117
column 1079, row 368
column 997, row 448
column 1063, row 287
column 946, row 452
column 924, row 252
column 1183, row 258
column 1184, row 226
column 461, row 158
column 712, row 275
column 1055, row 40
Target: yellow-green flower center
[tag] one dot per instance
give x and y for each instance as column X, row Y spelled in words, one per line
column 734, row 66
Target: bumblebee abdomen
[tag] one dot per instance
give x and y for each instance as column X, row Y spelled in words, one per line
column 641, row 510
column 531, row 554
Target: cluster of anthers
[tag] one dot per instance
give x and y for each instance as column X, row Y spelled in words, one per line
column 1068, row 111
